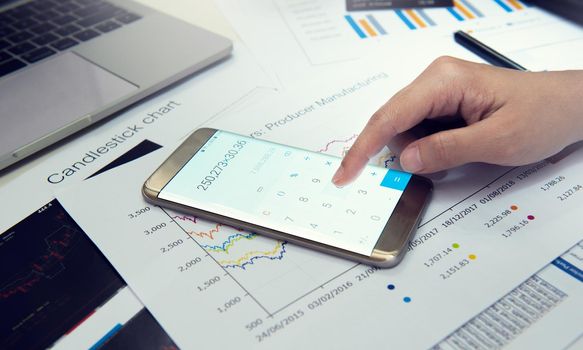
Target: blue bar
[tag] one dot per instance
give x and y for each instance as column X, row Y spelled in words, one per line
column 376, row 24
column 568, row 268
column 106, row 337
column 425, row 17
column 355, row 27
column 396, row 179
column 472, row 8
column 503, row 5
column 455, row 14
column 405, row 19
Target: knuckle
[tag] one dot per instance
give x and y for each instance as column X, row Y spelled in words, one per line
column 383, row 114
column 385, row 119
column 445, row 60
column 447, row 66
column 379, row 117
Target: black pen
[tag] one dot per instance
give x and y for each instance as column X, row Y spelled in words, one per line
column 484, row 51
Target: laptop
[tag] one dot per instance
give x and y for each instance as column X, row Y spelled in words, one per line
column 66, row 64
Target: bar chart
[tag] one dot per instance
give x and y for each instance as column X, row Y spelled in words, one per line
column 383, row 22
column 366, row 27
column 327, row 33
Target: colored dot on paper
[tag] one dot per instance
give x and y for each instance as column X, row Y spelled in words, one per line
column 407, row 299
column 514, row 207
column 530, row 217
column 455, row 245
column 472, row 257
column 391, row 287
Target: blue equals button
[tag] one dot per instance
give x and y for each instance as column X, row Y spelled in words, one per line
column 396, row 179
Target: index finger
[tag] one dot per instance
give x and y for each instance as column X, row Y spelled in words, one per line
column 429, row 95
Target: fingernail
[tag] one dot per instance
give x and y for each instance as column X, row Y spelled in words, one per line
column 338, row 176
column 411, row 160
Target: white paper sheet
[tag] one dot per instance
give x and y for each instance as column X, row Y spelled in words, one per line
column 486, row 230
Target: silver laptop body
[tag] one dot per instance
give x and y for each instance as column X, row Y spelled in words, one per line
column 120, row 52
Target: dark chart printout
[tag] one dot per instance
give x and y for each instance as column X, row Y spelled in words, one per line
column 141, row 332
column 52, row 278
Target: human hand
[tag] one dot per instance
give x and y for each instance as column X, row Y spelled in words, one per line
column 512, row 117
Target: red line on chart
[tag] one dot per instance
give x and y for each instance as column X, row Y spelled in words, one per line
column 185, row 218
column 209, row 234
column 325, row 149
column 202, row 234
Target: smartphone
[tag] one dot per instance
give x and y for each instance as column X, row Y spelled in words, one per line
column 286, row 193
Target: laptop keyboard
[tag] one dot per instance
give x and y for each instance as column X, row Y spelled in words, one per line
column 41, row 28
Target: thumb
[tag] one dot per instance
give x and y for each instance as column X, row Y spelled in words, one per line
column 451, row 148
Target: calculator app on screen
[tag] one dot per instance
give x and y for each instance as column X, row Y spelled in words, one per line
column 288, row 189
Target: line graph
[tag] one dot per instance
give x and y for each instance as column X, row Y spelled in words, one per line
column 330, row 147
column 189, row 218
column 201, row 234
column 340, row 146
column 258, row 263
column 210, row 233
column 249, row 258
column 231, row 240
column 232, row 250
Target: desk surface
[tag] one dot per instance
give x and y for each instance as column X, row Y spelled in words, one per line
column 203, row 13
column 421, row 293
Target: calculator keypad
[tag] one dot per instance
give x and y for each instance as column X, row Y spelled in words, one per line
column 303, row 196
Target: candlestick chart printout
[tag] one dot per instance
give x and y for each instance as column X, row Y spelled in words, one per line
column 45, row 258
column 55, row 279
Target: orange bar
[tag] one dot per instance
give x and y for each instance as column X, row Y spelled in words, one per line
column 464, row 10
column 416, row 18
column 516, row 4
column 367, row 27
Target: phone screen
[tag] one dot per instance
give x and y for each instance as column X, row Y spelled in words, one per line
column 288, row 189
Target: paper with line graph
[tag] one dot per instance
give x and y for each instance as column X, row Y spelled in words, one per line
column 487, row 230
column 232, row 250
